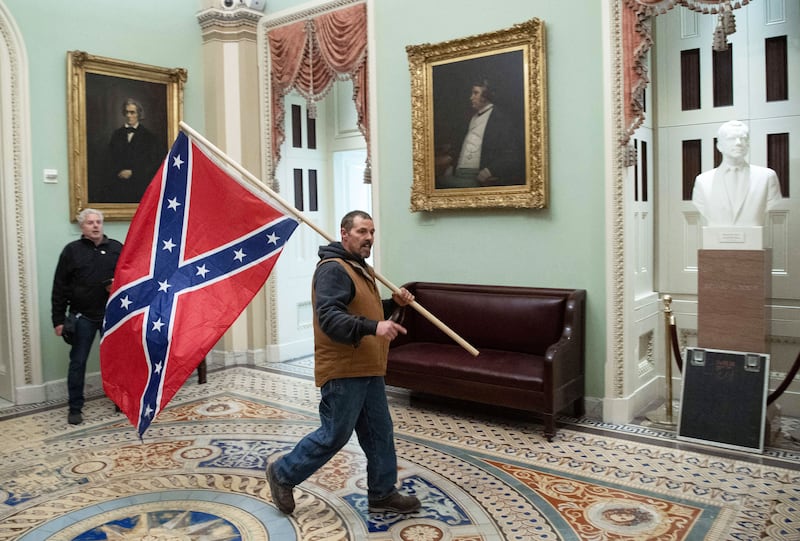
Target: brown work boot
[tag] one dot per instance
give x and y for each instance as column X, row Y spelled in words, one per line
column 395, row 503
column 282, row 495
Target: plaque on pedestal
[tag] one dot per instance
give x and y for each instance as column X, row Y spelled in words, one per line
column 732, row 292
column 733, row 238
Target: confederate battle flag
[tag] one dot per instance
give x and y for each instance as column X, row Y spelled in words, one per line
column 200, row 246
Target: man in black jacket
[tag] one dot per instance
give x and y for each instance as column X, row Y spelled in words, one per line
column 81, row 284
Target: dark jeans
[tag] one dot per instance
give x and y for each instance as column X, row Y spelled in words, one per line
column 348, row 404
column 82, row 339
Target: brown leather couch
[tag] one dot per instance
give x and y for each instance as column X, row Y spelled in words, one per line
column 531, row 343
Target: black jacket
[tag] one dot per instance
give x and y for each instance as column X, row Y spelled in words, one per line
column 80, row 279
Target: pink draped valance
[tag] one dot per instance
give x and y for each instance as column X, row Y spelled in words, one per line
column 310, row 56
column 655, row 7
column 637, row 41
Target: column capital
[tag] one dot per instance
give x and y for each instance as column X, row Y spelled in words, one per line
column 240, row 24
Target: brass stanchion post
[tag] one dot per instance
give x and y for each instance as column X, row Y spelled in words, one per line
column 668, row 321
column 664, row 416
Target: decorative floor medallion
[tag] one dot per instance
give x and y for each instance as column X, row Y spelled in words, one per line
column 600, row 512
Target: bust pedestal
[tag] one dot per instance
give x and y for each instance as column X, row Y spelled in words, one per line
column 732, row 290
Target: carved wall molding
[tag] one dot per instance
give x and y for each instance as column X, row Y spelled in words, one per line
column 618, row 293
column 22, row 317
column 684, row 335
column 647, row 358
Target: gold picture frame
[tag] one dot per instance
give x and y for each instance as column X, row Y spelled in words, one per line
column 108, row 171
column 443, row 79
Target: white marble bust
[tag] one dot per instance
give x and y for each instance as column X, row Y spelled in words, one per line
column 735, row 193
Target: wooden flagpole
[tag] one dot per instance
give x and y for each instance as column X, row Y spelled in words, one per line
column 301, row 217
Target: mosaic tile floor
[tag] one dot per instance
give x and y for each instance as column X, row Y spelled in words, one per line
column 198, row 475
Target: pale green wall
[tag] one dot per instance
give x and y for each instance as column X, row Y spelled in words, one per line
column 562, row 246
column 157, row 32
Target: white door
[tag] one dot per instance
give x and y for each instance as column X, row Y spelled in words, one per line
column 321, row 173
column 304, row 177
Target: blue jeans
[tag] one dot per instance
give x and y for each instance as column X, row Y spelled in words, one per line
column 82, row 339
column 347, row 404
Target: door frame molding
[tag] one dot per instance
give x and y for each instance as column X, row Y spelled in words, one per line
column 21, row 330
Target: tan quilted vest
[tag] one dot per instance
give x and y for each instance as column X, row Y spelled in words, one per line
column 333, row 360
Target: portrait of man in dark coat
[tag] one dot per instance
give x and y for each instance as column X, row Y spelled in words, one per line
column 133, row 156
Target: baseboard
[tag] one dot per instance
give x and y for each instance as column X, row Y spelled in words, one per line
column 593, row 407
column 56, row 390
column 30, row 394
column 278, row 353
column 624, row 410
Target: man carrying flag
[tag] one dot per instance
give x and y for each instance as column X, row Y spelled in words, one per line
column 351, row 344
column 199, row 248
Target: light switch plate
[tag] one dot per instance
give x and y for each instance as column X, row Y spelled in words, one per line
column 50, row 176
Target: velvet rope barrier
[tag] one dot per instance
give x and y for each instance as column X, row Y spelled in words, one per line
column 676, row 348
column 669, row 320
column 774, row 395
column 786, row 381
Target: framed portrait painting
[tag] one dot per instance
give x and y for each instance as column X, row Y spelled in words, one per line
column 479, row 121
column 122, row 118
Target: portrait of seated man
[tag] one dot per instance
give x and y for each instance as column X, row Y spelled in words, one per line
column 488, row 149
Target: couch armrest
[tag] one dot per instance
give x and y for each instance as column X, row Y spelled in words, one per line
column 566, row 359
